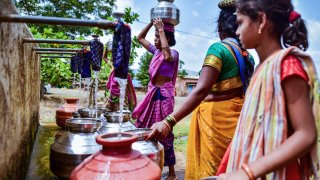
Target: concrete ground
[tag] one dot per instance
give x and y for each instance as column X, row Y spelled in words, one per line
column 39, row 165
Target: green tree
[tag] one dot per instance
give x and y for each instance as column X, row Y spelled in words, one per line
column 56, row 71
column 88, row 9
column 143, row 73
column 182, row 72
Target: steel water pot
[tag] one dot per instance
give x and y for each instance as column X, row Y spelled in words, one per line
column 111, row 122
column 90, row 112
column 167, row 11
column 152, row 148
column 76, row 144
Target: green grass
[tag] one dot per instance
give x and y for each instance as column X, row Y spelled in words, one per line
column 181, row 131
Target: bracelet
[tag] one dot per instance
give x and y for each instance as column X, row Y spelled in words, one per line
column 160, row 30
column 165, row 122
column 171, row 121
column 166, row 47
column 248, row 171
column 174, row 119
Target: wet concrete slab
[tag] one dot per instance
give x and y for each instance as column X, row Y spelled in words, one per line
column 39, row 168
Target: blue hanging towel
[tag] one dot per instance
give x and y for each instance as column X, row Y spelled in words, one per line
column 121, row 49
column 79, row 61
column 86, row 69
column 96, row 48
column 74, row 64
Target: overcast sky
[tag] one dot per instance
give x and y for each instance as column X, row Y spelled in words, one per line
column 199, row 17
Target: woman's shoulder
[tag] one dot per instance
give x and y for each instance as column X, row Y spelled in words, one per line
column 217, row 49
column 216, row 45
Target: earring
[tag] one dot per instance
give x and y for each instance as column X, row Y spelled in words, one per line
column 259, row 31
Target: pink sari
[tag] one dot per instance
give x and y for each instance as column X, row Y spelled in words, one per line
column 159, row 102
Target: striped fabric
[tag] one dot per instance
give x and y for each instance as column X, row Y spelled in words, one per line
column 263, row 125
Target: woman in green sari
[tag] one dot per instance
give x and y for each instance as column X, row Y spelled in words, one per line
column 216, row 101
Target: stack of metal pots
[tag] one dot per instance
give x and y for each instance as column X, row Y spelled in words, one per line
column 76, row 144
column 112, row 121
column 89, row 112
column 167, row 11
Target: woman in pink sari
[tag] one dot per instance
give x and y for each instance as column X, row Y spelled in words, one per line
column 159, row 101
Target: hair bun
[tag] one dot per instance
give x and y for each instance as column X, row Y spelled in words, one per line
column 224, row 4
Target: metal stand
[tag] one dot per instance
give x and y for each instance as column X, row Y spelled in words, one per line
column 103, row 24
column 55, row 49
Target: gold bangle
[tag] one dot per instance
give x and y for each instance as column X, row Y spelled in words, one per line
column 248, row 171
column 167, row 47
column 170, row 121
column 173, row 118
column 166, row 123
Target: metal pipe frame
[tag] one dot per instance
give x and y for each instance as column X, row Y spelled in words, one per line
column 55, row 57
column 49, row 52
column 55, row 41
column 103, row 24
column 56, row 49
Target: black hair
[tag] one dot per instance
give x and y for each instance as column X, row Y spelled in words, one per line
column 170, row 36
column 278, row 11
column 227, row 23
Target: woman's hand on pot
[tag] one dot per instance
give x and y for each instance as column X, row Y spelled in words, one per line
column 159, row 131
column 158, row 23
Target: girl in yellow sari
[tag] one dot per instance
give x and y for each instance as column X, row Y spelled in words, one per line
column 217, row 99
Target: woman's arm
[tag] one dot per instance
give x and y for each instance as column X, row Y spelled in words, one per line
column 142, row 36
column 163, row 39
column 304, row 135
column 208, row 77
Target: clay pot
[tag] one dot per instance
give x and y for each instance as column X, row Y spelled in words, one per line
column 117, row 160
column 65, row 111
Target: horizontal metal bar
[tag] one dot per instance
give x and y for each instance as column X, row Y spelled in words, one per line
column 55, row 56
column 49, row 52
column 104, row 24
column 55, row 41
column 56, row 49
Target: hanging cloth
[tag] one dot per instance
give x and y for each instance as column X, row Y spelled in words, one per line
column 121, row 49
column 96, row 48
column 79, row 61
column 74, row 64
column 86, row 69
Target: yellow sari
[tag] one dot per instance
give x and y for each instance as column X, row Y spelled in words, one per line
column 213, row 123
column 206, row 149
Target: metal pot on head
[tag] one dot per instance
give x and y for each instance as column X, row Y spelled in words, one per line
column 167, row 11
